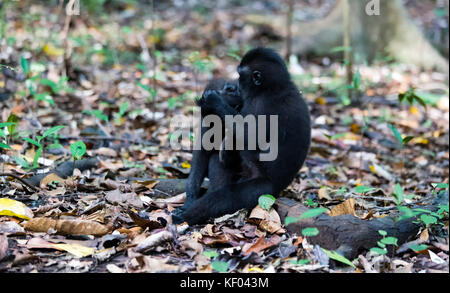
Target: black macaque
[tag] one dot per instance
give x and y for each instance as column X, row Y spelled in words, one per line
column 266, row 89
column 212, row 164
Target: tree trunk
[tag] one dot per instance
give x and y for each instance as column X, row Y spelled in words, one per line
column 391, row 33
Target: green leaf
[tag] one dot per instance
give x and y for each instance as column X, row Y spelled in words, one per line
column 440, row 185
column 337, row 257
column 4, row 124
column 357, row 80
column 32, row 141
column 382, row 232
column 55, row 146
column 52, row 130
column 12, row 120
column 300, row 262
column 44, row 97
column 266, row 201
column 398, row 194
column 210, row 253
column 336, row 136
column 389, row 241
column 428, row 220
column 407, row 139
column 220, row 266
column 396, row 133
column 418, row 247
column 406, row 212
column 363, row 189
column 290, row 220
column 380, row 244
column 2, row 134
column 25, row 65
column 143, row 86
column 77, row 149
column 313, row 213
column 420, row 101
column 37, row 155
column 21, row 162
column 5, row 146
column 123, row 108
column 310, row 232
column 49, row 83
column 233, row 55
column 99, row 114
column 377, row 250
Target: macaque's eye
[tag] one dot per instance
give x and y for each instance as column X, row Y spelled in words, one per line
column 257, row 77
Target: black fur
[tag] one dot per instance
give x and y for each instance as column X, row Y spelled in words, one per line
column 266, row 89
column 208, row 163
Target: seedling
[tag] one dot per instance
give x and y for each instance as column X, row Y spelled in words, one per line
column 266, row 201
column 40, row 146
column 382, row 244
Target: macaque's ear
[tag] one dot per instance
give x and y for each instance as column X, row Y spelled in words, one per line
column 257, row 77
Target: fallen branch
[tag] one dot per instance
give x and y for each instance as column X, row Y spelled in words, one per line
column 347, row 234
column 21, row 180
column 64, row 170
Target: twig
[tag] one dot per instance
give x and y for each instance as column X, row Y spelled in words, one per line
column 147, row 143
column 34, row 188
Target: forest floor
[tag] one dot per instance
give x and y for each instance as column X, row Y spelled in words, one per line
column 371, row 158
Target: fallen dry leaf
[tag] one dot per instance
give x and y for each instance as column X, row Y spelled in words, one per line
column 154, row 240
column 52, row 177
column 66, row 227
column 74, row 248
column 268, row 221
column 345, row 208
column 14, row 208
column 263, row 243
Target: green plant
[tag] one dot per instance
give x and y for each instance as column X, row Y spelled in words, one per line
column 40, row 146
column 410, row 96
column 338, row 257
column 220, row 266
column 77, row 149
column 210, row 253
column 300, row 262
column 382, row 244
column 310, row 203
column 310, row 232
column 266, row 201
column 425, row 217
column 11, row 126
column 122, row 110
column 151, row 91
column 98, row 114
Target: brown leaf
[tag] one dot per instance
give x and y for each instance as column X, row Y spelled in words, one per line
column 51, row 178
column 219, row 239
column 154, row 240
column 323, row 193
column 131, row 199
column 144, row 223
column 263, row 243
column 66, row 227
column 345, row 208
column 268, row 221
